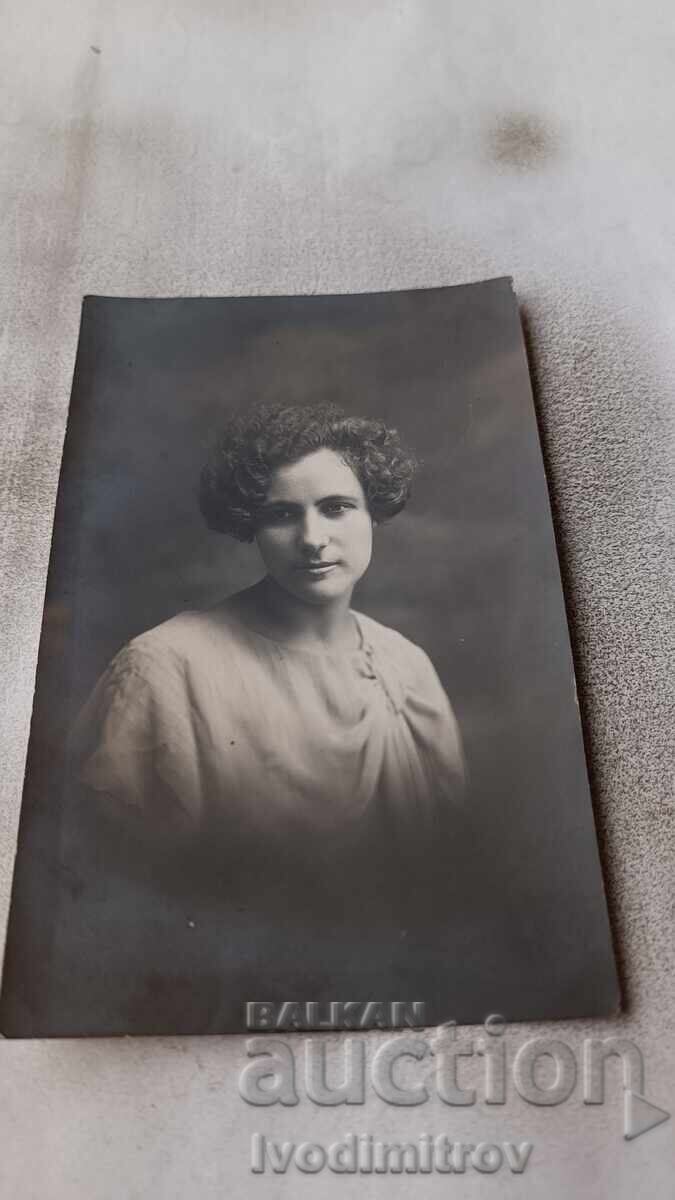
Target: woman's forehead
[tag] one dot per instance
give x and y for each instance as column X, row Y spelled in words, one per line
column 321, row 473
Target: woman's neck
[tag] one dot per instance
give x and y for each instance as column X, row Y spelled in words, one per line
column 270, row 609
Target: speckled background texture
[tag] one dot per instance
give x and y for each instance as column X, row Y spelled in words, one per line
column 239, row 148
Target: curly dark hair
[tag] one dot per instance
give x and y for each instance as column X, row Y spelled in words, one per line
column 236, row 478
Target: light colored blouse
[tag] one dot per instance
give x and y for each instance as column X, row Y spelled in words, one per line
column 204, row 725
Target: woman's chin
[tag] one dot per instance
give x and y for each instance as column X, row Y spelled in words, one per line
column 327, row 590
column 323, row 595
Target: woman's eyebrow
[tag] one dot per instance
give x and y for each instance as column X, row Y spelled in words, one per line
column 294, row 504
column 268, row 504
column 341, row 496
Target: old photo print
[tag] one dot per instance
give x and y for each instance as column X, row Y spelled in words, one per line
column 305, row 725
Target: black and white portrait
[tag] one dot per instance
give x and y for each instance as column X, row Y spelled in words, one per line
column 281, row 714
column 305, row 725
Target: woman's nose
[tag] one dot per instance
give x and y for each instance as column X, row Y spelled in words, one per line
column 313, row 532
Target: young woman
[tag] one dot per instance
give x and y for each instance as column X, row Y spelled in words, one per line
column 281, row 721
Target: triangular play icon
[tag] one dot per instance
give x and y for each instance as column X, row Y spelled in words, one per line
column 640, row 1114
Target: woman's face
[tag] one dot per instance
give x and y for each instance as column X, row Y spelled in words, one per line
column 314, row 531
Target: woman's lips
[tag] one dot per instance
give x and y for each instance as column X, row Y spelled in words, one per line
column 317, row 569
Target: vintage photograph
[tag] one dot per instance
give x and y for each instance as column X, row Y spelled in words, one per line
column 305, row 725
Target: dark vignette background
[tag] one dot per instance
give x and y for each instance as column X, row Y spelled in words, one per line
column 469, row 571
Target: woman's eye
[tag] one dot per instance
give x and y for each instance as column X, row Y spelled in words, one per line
column 336, row 508
column 277, row 516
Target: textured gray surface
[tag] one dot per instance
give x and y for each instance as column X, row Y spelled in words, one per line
column 233, row 148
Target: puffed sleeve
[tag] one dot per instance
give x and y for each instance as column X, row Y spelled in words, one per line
column 437, row 729
column 129, row 732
